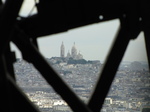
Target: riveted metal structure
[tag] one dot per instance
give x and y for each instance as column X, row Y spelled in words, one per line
column 55, row 16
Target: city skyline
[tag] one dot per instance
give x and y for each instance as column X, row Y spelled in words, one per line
column 94, row 41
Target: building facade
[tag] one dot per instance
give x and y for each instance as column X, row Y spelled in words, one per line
column 74, row 53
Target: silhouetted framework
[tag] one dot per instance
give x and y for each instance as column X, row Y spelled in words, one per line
column 55, row 16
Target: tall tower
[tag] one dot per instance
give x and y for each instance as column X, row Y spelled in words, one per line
column 62, row 50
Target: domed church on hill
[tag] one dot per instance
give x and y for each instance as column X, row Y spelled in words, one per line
column 74, row 54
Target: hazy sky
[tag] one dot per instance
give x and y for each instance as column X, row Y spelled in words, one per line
column 92, row 41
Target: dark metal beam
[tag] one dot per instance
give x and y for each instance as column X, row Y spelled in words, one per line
column 129, row 29
column 145, row 16
column 68, row 14
column 109, row 69
column 8, row 14
column 147, row 44
column 3, row 85
column 10, row 59
column 8, row 17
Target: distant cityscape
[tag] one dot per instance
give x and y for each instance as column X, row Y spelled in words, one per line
column 129, row 92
